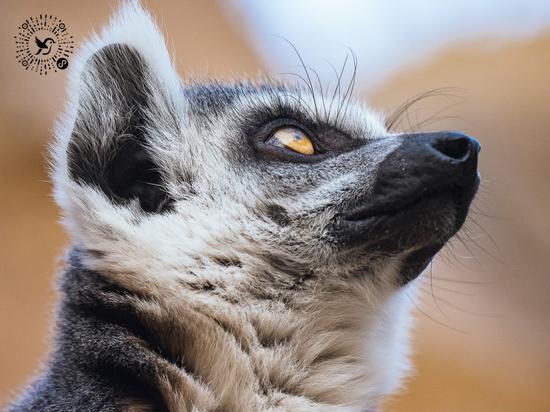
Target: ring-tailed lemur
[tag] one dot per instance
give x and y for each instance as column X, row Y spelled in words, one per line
column 235, row 247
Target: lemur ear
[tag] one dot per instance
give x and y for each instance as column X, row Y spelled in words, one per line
column 124, row 85
column 108, row 148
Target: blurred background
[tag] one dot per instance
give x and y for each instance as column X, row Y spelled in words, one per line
column 482, row 340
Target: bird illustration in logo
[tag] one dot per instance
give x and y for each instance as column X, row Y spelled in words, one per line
column 45, row 45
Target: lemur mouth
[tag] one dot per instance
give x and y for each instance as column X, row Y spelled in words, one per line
column 417, row 200
column 418, row 225
column 418, row 214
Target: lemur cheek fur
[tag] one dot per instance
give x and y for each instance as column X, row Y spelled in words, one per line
column 232, row 248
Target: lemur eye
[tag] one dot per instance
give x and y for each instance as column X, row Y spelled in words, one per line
column 292, row 138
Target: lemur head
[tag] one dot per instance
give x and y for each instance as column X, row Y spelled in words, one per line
column 253, row 189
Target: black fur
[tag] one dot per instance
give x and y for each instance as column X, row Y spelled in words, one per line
column 277, row 214
column 103, row 358
column 122, row 167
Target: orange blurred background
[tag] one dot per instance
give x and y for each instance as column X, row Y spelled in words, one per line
column 483, row 327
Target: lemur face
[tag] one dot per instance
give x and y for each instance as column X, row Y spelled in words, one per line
column 336, row 190
column 155, row 175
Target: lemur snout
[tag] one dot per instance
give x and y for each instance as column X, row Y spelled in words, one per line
column 427, row 165
column 420, row 197
column 436, row 159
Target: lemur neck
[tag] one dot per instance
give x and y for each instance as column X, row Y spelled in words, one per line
column 233, row 350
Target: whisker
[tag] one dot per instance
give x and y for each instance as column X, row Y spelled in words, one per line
column 306, row 72
column 301, row 102
column 488, row 253
column 432, row 288
column 462, row 281
column 320, row 90
column 394, row 119
column 436, row 320
column 484, row 232
column 440, row 288
column 468, row 311
column 337, row 88
column 466, row 246
column 450, row 248
column 351, row 86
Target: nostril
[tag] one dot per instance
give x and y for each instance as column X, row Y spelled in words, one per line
column 457, row 149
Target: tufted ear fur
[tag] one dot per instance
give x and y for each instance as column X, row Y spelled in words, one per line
column 122, row 83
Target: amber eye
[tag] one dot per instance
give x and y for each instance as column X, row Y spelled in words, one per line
column 293, row 139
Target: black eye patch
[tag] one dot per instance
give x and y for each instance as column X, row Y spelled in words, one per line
column 328, row 141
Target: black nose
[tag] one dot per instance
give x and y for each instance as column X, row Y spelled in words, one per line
column 434, row 159
column 454, row 146
column 426, row 163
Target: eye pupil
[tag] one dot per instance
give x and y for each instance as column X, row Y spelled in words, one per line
column 293, row 139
